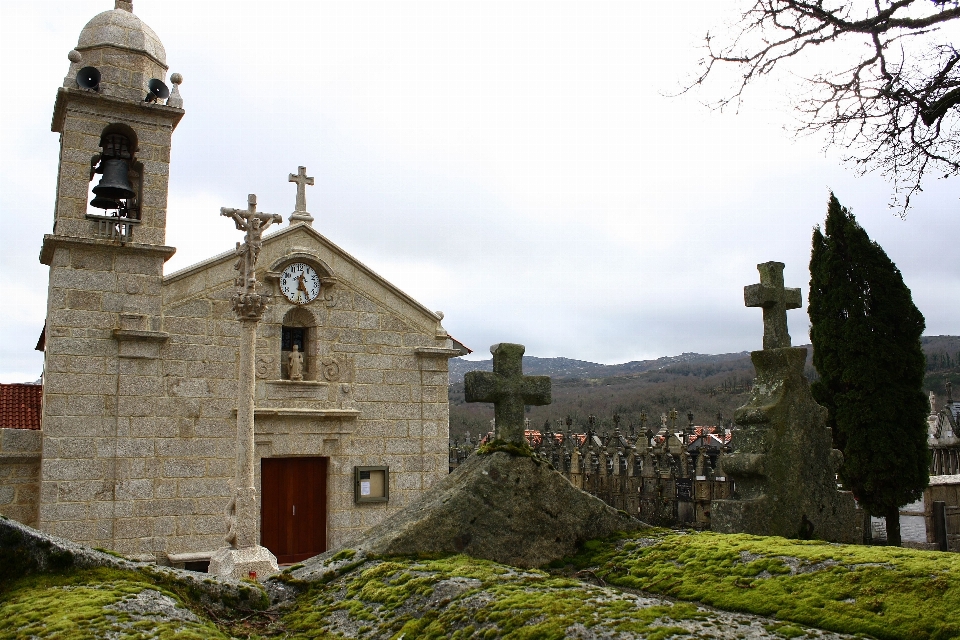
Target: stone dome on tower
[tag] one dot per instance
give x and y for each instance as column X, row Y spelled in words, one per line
column 126, row 52
column 122, row 29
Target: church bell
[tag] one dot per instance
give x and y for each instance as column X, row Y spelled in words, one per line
column 114, row 185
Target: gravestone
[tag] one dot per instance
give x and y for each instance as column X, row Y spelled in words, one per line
column 783, row 465
column 504, row 505
column 509, row 390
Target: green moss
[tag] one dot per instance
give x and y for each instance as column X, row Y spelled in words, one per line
column 346, row 554
column 512, row 448
column 394, row 597
column 883, row 592
column 71, row 605
column 111, row 553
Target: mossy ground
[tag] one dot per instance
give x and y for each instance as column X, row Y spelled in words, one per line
column 462, row 597
column 878, row 592
column 884, row 592
column 78, row 604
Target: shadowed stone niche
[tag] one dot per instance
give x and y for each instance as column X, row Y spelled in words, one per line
column 299, row 328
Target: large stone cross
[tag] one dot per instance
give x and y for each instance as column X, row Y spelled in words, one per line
column 300, row 210
column 508, row 389
column 775, row 299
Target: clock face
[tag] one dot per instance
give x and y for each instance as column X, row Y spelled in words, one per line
column 300, row 283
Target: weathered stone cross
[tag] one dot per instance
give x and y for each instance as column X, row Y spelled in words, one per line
column 508, row 389
column 775, row 299
column 300, row 210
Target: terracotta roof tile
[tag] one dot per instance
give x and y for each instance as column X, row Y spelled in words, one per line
column 20, row 406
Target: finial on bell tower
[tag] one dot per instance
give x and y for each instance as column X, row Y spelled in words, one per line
column 124, row 5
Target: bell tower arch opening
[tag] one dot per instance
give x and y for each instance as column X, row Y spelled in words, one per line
column 118, row 193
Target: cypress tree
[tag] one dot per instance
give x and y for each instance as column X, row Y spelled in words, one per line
column 866, row 332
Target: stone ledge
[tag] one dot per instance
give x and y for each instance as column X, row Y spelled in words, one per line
column 52, row 241
column 19, row 457
column 309, row 413
column 438, row 351
column 298, row 383
column 159, row 112
column 140, row 336
column 197, row 556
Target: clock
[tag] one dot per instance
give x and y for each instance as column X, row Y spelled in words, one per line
column 300, row 283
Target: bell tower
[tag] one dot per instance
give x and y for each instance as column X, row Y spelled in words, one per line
column 115, row 116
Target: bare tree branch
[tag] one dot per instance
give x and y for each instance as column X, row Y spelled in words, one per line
column 894, row 108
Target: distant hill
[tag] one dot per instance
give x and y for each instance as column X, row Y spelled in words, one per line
column 704, row 385
column 567, row 368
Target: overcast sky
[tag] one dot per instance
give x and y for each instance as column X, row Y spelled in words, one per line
column 520, row 166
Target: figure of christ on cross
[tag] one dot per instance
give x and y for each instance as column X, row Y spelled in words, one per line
column 775, row 300
column 254, row 223
column 508, row 389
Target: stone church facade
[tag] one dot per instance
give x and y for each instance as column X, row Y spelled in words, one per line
column 139, row 423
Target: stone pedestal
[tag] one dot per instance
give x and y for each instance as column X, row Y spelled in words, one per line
column 227, row 562
column 783, row 465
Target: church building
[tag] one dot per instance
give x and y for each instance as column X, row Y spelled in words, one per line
column 137, row 446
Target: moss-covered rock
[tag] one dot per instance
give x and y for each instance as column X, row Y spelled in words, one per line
column 462, row 597
column 98, row 603
column 882, row 592
column 783, row 465
column 502, row 507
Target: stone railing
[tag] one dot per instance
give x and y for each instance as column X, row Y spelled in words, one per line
column 113, row 227
column 666, row 479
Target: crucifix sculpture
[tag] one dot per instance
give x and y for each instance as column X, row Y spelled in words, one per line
column 254, row 223
column 300, row 210
column 508, row 389
column 775, row 300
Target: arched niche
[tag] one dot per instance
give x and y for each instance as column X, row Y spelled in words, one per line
column 299, row 327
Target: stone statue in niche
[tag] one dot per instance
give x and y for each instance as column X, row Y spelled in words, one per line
column 295, row 364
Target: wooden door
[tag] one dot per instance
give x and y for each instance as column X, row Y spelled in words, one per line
column 293, row 509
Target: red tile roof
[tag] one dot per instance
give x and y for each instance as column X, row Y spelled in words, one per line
column 20, row 406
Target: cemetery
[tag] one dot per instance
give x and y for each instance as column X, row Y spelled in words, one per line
column 258, row 445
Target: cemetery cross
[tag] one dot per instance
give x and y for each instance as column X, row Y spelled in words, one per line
column 508, row 389
column 775, row 300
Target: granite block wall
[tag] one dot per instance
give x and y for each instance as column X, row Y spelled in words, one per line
column 20, row 474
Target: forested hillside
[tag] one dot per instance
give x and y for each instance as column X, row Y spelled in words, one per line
column 702, row 384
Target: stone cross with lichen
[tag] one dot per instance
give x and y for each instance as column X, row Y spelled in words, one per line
column 508, row 389
column 775, row 300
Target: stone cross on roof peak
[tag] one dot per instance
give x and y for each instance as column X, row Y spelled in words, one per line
column 300, row 210
column 775, row 300
column 508, row 389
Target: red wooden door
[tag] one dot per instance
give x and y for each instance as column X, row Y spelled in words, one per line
column 293, row 500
